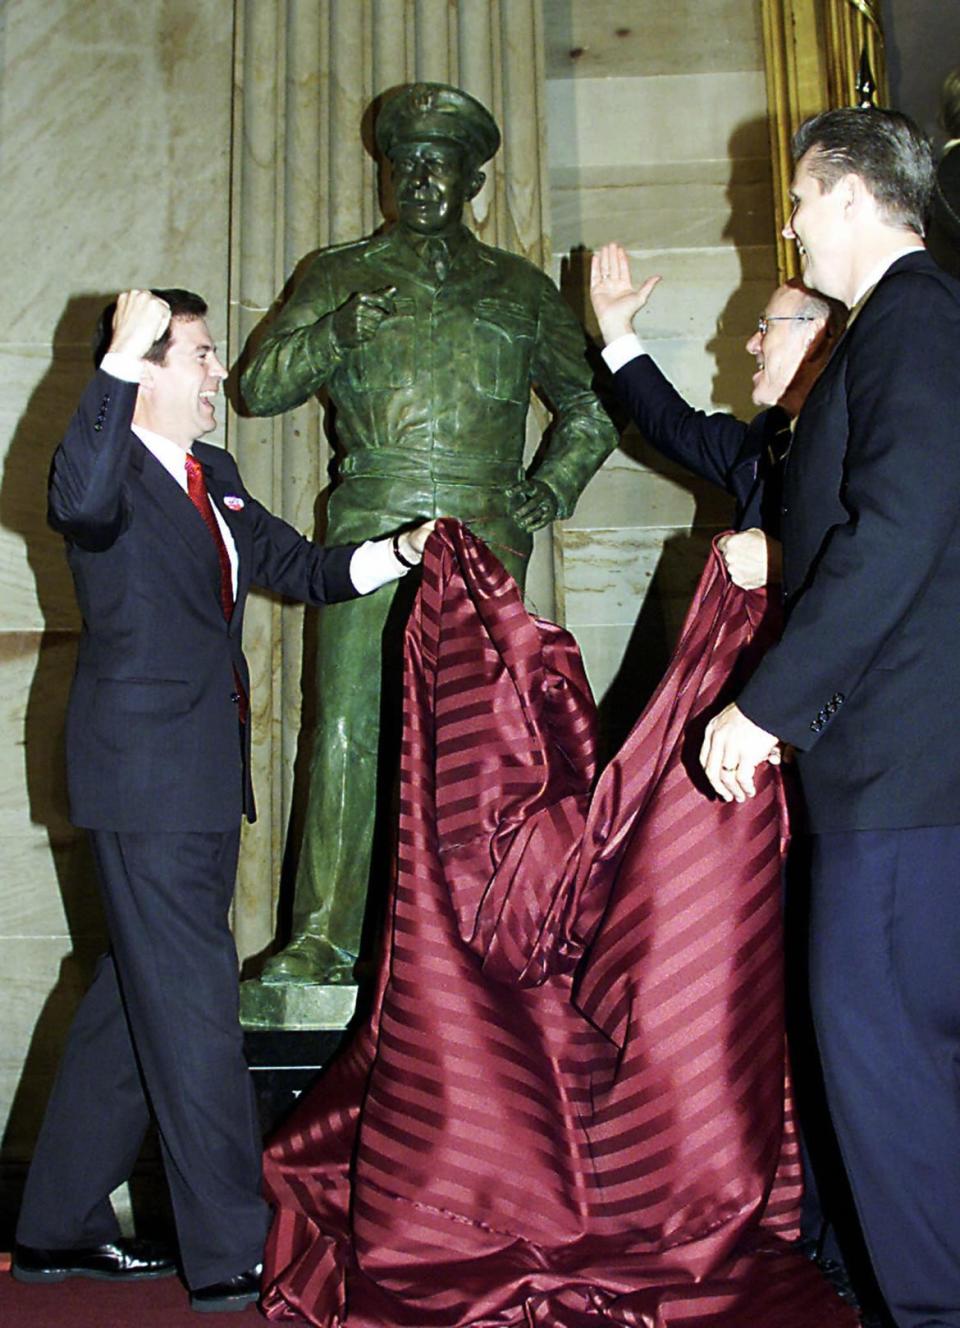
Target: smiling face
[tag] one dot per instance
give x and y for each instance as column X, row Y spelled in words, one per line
column 176, row 398
column 782, row 348
column 432, row 182
column 821, row 227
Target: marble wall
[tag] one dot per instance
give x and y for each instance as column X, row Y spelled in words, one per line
column 657, row 138
column 115, row 132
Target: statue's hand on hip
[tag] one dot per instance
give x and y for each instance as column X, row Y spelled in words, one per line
column 358, row 319
column 536, row 504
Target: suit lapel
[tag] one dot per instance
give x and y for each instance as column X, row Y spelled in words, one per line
column 163, row 491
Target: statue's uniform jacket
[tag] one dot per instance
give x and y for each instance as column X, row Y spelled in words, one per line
column 431, row 420
column 436, row 401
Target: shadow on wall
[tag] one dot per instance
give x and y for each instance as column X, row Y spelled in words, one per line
column 738, row 319
column 684, row 553
column 23, row 510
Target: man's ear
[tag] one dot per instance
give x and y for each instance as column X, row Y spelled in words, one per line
column 855, row 192
column 476, row 184
column 817, row 339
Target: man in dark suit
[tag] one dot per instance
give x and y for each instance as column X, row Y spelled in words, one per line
column 164, row 542
column 865, row 683
column 793, row 340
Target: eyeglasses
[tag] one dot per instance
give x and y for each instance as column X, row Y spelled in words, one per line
column 764, row 321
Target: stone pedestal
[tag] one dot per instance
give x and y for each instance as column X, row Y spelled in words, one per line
column 290, row 1032
column 294, row 1006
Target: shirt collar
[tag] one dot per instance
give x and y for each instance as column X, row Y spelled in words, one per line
column 453, row 243
column 170, row 455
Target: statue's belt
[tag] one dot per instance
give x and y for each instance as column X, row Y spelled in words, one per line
column 438, row 468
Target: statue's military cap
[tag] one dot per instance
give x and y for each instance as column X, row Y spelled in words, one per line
column 435, row 110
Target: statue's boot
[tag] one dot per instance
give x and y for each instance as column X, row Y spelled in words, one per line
column 310, row 960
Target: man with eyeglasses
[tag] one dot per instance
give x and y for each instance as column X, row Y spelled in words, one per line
column 791, row 345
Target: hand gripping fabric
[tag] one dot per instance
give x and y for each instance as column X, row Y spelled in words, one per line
column 568, row 1105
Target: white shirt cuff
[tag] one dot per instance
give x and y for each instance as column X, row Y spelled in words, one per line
column 128, row 368
column 373, row 565
column 622, row 351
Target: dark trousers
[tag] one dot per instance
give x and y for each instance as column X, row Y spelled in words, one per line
column 828, row 1221
column 885, row 988
column 157, row 1033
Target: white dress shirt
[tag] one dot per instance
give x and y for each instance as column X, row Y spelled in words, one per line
column 622, row 350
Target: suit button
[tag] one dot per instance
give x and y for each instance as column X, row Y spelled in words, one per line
column 235, row 698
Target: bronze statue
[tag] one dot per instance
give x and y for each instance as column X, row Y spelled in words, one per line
column 428, row 343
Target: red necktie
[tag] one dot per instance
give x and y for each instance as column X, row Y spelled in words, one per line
column 197, row 491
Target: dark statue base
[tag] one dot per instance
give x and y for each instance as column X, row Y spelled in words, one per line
column 290, row 1032
column 283, row 1065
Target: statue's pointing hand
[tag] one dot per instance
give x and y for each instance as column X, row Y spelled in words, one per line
column 358, row 319
column 536, row 504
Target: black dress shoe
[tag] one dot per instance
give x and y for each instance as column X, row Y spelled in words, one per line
column 123, row 1260
column 233, row 1293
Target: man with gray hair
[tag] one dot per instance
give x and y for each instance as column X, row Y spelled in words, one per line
column 864, row 682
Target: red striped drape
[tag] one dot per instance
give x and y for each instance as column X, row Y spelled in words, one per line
column 568, row 1104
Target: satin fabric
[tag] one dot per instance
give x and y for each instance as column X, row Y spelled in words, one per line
column 569, row 1102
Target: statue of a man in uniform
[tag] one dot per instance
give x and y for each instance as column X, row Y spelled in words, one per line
column 428, row 343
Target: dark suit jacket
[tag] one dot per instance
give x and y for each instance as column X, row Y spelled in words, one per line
column 739, row 457
column 153, row 738
column 866, row 679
